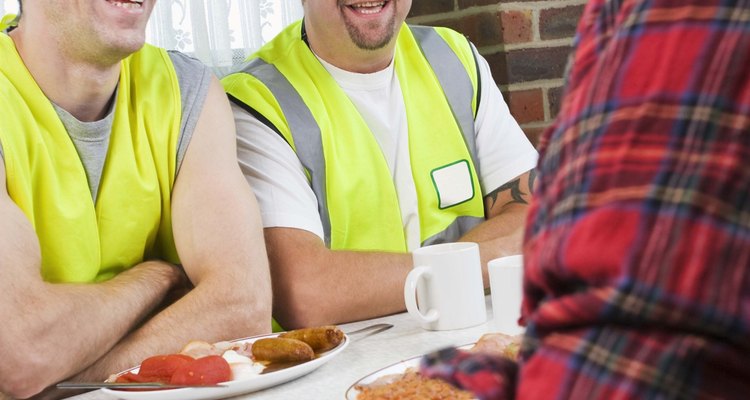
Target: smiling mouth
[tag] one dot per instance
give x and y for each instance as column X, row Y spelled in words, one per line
column 370, row 7
column 129, row 4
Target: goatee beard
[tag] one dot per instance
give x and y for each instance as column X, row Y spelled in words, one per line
column 360, row 38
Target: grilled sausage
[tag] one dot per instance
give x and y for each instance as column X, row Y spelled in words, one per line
column 322, row 338
column 281, row 350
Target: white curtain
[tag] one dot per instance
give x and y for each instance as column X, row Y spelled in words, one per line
column 8, row 6
column 221, row 33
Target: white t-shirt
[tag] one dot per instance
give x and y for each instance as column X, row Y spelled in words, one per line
column 282, row 189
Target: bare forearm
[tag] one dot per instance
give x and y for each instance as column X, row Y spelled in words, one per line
column 367, row 284
column 207, row 313
column 317, row 286
column 217, row 234
column 499, row 236
column 52, row 331
column 64, row 327
column 502, row 232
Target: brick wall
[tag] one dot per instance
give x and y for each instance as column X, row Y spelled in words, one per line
column 526, row 43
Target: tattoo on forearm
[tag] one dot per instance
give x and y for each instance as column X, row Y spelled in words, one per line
column 532, row 179
column 515, row 193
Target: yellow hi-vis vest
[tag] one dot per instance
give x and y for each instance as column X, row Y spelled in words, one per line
column 286, row 87
column 131, row 220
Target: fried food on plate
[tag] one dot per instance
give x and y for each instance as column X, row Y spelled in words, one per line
column 281, row 350
column 321, row 338
column 487, row 371
column 498, row 344
column 413, row 386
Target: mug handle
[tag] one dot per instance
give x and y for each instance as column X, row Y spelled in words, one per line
column 410, row 294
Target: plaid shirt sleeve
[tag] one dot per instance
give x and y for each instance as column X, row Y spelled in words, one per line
column 637, row 248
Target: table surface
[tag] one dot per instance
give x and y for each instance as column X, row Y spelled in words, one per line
column 362, row 357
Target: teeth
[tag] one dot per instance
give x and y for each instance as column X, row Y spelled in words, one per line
column 369, row 4
column 129, row 4
column 370, row 7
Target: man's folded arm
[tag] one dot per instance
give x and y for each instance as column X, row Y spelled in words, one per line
column 501, row 234
column 50, row 331
column 219, row 240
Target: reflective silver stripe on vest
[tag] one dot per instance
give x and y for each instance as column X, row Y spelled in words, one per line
column 454, row 80
column 304, row 128
column 454, row 231
column 459, row 91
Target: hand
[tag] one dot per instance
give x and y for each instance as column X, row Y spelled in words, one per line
column 180, row 284
column 52, row 393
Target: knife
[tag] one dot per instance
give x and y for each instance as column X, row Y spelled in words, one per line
column 128, row 385
column 371, row 330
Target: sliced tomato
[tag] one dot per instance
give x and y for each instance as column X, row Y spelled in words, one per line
column 161, row 368
column 132, row 378
column 207, row 370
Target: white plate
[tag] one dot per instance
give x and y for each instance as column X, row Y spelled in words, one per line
column 398, row 368
column 236, row 387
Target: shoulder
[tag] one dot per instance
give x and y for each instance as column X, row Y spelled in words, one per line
column 434, row 40
column 155, row 57
column 287, row 42
column 193, row 76
column 188, row 68
column 452, row 37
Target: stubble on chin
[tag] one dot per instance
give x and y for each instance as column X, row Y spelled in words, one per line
column 363, row 40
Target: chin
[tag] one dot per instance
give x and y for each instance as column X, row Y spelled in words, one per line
column 131, row 48
column 113, row 53
column 126, row 46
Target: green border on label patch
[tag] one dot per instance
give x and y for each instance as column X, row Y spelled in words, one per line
column 471, row 179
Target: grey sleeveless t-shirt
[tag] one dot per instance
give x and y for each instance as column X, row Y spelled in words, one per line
column 91, row 139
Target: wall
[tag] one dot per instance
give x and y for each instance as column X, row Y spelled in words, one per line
column 526, row 43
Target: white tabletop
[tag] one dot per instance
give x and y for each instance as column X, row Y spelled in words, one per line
column 405, row 340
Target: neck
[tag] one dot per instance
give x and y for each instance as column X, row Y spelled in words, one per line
column 364, row 64
column 346, row 55
column 82, row 88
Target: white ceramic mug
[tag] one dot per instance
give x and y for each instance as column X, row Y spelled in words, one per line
column 506, row 288
column 446, row 282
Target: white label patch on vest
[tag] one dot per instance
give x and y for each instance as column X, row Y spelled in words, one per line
column 453, row 183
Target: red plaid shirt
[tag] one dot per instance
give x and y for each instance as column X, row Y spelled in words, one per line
column 637, row 281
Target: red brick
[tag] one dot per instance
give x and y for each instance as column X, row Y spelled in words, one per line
column 427, row 7
column 533, row 134
column 462, row 4
column 491, row 28
column 526, row 105
column 557, row 23
column 554, row 96
column 455, row 24
column 498, row 66
column 483, row 29
column 516, row 26
column 533, row 64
